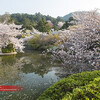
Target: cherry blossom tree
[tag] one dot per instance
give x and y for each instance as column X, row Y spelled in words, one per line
column 82, row 41
column 8, row 34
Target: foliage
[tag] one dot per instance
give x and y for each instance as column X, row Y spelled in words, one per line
column 88, row 92
column 58, row 90
column 5, row 18
column 22, row 36
column 43, row 42
column 32, row 20
column 8, row 49
column 67, row 23
column 27, row 27
column 43, row 26
column 82, row 44
column 28, row 21
column 8, row 34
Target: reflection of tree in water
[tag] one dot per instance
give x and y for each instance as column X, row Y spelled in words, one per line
column 8, row 60
column 8, row 74
column 39, row 64
column 10, row 68
column 72, row 69
column 27, row 63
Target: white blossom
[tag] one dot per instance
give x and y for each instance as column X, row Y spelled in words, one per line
column 82, row 40
column 8, row 35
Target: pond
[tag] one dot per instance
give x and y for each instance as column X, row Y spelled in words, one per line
column 34, row 71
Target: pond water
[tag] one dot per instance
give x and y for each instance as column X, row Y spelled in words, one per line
column 34, row 71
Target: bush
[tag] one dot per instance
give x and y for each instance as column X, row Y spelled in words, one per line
column 8, row 49
column 43, row 42
column 67, row 85
column 88, row 92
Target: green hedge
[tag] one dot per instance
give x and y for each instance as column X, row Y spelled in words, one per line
column 8, row 49
column 67, row 85
column 88, row 92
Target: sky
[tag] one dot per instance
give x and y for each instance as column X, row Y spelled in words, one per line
column 53, row 8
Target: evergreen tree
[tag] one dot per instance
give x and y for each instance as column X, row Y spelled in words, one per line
column 67, row 23
column 43, row 26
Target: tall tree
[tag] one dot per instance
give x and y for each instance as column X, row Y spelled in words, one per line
column 43, row 26
column 67, row 23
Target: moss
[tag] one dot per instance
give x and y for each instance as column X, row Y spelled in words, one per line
column 66, row 85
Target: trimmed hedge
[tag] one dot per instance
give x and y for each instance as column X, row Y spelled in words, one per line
column 67, row 85
column 88, row 92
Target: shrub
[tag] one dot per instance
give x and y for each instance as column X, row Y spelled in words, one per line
column 8, row 49
column 88, row 92
column 66, row 85
column 43, row 42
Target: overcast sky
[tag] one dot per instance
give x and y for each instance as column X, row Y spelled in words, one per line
column 53, row 8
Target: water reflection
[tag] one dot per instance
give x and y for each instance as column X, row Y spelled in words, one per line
column 35, row 71
column 31, row 70
column 8, row 70
column 65, row 71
